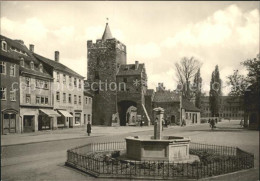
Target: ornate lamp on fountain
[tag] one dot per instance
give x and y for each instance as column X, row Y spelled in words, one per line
column 158, row 147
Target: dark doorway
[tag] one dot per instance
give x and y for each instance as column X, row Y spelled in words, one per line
column 173, row 120
column 28, row 123
column 122, row 109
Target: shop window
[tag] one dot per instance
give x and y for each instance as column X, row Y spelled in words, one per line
column 77, row 118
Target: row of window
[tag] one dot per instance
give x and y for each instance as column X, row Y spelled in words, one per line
column 3, row 69
column 226, row 108
column 88, row 100
column 39, row 99
column 39, row 83
column 3, row 94
column 227, row 115
column 69, row 98
column 64, row 80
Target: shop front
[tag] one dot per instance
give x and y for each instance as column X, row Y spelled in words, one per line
column 64, row 119
column 47, row 119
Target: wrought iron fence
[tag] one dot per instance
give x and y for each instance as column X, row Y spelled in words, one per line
column 232, row 159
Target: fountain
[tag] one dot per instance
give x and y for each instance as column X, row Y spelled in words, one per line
column 158, row 147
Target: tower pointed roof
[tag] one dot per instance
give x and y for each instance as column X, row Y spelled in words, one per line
column 107, row 33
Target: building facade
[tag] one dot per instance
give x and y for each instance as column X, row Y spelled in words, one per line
column 172, row 102
column 36, row 105
column 9, row 84
column 111, row 80
column 231, row 108
column 67, row 91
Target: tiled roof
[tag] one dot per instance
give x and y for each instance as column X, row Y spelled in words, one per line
column 107, row 33
column 166, row 96
column 129, row 69
column 57, row 66
column 16, row 50
column 35, row 72
column 189, row 106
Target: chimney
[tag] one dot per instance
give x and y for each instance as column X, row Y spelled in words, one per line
column 136, row 65
column 31, row 46
column 57, row 56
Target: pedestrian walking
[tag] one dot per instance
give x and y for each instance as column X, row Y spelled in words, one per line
column 141, row 123
column 212, row 124
column 88, row 128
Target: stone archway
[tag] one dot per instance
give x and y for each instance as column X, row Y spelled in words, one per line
column 122, row 110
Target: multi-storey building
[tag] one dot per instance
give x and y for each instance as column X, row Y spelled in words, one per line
column 67, row 91
column 116, row 86
column 36, row 105
column 12, row 52
column 231, row 108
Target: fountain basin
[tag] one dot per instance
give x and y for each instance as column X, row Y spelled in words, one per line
column 168, row 148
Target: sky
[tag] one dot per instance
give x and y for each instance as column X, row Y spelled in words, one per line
column 159, row 34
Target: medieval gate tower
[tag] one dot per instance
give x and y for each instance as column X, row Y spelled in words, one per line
column 106, row 69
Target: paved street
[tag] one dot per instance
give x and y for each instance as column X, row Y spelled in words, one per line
column 45, row 160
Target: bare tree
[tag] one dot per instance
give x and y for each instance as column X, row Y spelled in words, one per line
column 185, row 70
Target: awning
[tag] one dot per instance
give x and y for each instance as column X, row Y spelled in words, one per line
column 65, row 113
column 50, row 112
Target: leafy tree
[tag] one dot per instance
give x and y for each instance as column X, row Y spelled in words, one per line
column 238, row 84
column 185, row 70
column 253, row 67
column 215, row 92
column 198, row 84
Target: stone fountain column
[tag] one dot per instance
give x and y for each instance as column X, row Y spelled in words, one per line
column 158, row 123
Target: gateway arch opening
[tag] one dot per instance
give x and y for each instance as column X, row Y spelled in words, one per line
column 127, row 112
